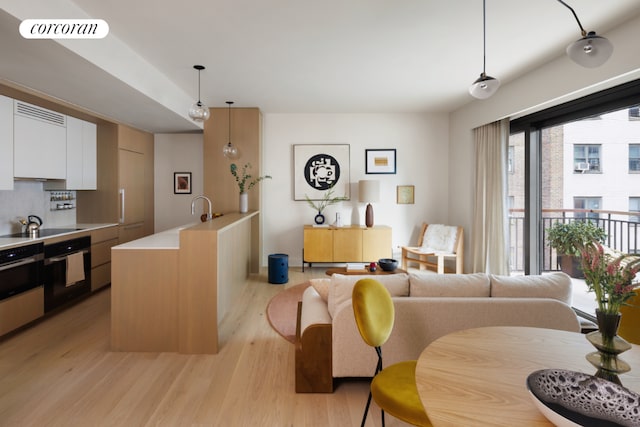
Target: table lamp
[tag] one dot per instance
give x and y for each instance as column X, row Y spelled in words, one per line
column 369, row 192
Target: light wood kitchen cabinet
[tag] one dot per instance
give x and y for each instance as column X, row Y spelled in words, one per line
column 125, row 162
column 81, row 157
column 21, row 309
column 102, row 240
column 346, row 244
column 6, row 143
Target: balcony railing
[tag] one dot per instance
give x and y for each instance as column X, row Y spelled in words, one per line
column 622, row 228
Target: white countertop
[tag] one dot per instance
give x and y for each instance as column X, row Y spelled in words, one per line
column 168, row 239
column 7, row 242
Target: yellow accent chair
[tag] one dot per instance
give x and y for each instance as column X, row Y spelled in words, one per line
column 393, row 388
column 629, row 328
column 437, row 243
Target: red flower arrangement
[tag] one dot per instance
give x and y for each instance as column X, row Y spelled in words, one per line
column 610, row 279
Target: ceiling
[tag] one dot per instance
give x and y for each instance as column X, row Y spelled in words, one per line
column 288, row 56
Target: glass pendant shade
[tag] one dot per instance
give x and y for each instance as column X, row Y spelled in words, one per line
column 229, row 150
column 484, row 87
column 199, row 112
column 590, row 51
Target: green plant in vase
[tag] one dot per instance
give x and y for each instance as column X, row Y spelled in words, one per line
column 245, row 182
column 328, row 199
column 567, row 238
column 611, row 279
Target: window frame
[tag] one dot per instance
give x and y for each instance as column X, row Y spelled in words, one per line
column 622, row 96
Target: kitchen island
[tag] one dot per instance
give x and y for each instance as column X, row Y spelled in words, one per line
column 171, row 290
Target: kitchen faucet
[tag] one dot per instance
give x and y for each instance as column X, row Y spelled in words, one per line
column 193, row 206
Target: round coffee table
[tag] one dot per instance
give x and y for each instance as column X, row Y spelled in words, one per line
column 379, row 271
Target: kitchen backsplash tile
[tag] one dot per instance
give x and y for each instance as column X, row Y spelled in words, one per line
column 29, row 198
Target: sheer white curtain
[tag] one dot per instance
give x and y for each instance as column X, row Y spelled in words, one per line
column 489, row 239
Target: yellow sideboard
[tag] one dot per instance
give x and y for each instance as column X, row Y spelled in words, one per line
column 346, row 244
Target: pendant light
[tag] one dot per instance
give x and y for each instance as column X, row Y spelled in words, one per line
column 484, row 86
column 230, row 151
column 198, row 111
column 591, row 50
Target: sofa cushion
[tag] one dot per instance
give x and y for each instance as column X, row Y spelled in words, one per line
column 342, row 287
column 322, row 287
column 449, row 285
column 555, row 285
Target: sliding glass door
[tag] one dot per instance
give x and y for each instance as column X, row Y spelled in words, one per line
column 576, row 162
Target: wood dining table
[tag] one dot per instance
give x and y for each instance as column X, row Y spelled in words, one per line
column 477, row 377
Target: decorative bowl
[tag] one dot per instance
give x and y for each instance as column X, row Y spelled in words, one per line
column 388, row 264
column 569, row 398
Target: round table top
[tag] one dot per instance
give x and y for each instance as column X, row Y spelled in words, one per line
column 379, row 271
column 477, row 377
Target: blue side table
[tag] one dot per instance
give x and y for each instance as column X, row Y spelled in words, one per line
column 278, row 268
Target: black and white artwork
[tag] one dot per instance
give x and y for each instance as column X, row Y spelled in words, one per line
column 318, row 168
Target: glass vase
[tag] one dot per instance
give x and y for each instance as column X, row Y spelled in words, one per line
column 608, row 345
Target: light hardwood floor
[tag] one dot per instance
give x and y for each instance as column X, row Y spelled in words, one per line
column 61, row 372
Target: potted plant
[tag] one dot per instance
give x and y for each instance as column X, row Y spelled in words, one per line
column 327, row 199
column 568, row 239
column 245, row 183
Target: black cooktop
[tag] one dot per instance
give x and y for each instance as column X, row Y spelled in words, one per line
column 45, row 232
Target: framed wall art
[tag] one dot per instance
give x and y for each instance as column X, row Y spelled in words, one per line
column 380, row 161
column 182, row 182
column 318, row 167
column 405, row 194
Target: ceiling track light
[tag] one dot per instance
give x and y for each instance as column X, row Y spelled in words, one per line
column 591, row 50
column 230, row 151
column 484, row 86
column 198, row 111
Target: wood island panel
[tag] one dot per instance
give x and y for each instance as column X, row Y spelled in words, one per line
column 144, row 314
column 171, row 290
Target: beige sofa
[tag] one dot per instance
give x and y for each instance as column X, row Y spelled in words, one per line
column 427, row 306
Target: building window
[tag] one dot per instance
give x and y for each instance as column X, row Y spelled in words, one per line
column 634, row 158
column 587, row 203
column 634, row 112
column 510, row 160
column 586, row 158
column 634, row 206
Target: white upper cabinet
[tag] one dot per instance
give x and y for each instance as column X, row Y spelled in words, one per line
column 40, row 139
column 6, row 143
column 81, row 157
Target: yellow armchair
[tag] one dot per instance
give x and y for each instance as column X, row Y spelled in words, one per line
column 437, row 243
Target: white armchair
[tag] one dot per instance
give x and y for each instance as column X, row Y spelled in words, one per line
column 437, row 243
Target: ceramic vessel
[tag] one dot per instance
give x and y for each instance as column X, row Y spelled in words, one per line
column 244, row 202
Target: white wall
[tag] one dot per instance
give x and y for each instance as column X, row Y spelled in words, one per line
column 553, row 83
column 421, row 141
column 176, row 153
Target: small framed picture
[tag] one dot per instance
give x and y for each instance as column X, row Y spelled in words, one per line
column 405, row 194
column 182, row 182
column 380, row 161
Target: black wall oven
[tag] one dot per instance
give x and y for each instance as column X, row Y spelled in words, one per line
column 67, row 271
column 20, row 269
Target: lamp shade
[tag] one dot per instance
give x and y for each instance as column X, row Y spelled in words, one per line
column 368, row 191
column 590, row 51
column 484, row 87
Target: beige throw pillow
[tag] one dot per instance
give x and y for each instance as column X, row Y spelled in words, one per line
column 342, row 287
column 322, row 287
column 449, row 285
column 553, row 285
